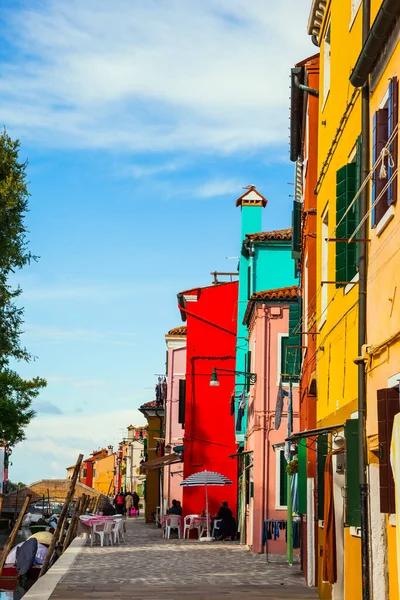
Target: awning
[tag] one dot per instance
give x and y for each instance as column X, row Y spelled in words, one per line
column 178, row 448
column 243, row 453
column 160, row 461
column 312, row 433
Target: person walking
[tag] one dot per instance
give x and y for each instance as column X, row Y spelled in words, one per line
column 136, row 501
column 128, row 504
column 119, row 503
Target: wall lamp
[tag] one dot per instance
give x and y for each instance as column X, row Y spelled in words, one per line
column 251, row 377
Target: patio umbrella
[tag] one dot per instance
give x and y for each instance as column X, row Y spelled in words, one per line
column 206, row 478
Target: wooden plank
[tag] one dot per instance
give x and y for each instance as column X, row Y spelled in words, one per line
column 13, row 534
column 63, row 516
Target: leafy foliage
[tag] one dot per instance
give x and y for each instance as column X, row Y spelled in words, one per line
column 16, row 393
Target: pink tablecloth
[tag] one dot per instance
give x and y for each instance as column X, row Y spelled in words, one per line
column 96, row 519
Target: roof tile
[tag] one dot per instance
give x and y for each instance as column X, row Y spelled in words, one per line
column 285, row 293
column 276, row 234
column 178, row 331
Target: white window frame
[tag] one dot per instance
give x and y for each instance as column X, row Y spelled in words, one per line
column 355, row 7
column 324, row 267
column 278, row 451
column 327, row 64
column 279, row 356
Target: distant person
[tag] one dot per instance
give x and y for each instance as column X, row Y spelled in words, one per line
column 227, row 525
column 128, row 504
column 175, row 508
column 119, row 503
column 136, row 502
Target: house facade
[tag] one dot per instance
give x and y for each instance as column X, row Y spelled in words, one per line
column 265, row 478
column 304, row 123
column 210, row 314
column 175, row 412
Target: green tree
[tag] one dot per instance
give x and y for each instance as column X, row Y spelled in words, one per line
column 16, row 393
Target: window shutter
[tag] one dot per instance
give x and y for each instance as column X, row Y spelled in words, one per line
column 182, row 401
column 302, row 476
column 388, row 407
column 322, row 451
column 291, row 351
column 358, row 182
column 340, row 228
column 282, row 480
column 346, row 266
column 380, row 138
column 393, row 118
column 353, row 512
column 296, row 229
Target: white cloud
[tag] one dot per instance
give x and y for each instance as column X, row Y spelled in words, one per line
column 217, row 187
column 138, row 76
column 41, row 333
column 56, row 441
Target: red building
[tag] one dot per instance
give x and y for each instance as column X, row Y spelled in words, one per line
column 304, row 152
column 209, row 439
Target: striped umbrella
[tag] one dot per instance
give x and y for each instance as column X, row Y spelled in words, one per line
column 206, row 478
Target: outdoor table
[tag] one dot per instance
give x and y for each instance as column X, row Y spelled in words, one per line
column 86, row 522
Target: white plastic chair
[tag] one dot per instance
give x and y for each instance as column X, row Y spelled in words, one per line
column 188, row 525
column 118, row 530
column 216, row 525
column 105, row 534
column 172, row 522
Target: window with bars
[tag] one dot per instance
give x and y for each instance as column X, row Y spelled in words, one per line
column 384, row 123
column 388, row 407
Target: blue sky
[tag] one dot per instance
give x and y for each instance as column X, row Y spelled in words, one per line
column 142, row 122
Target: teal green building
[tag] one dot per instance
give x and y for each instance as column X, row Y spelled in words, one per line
column 265, row 263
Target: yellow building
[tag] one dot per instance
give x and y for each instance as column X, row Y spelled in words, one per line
column 103, row 475
column 383, row 290
column 153, row 454
column 351, row 57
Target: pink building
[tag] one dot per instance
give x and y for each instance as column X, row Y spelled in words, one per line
column 271, row 317
column 174, row 412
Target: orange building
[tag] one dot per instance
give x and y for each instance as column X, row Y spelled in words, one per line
column 303, row 151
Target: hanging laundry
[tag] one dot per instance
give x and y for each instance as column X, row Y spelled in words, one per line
column 279, row 404
column 232, row 409
column 164, row 390
column 240, row 413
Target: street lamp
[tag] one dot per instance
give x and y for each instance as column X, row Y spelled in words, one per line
column 250, row 377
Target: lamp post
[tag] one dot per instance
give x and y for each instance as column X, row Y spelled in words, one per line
column 250, row 377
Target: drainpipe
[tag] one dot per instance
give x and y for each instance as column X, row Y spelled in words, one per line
column 362, row 326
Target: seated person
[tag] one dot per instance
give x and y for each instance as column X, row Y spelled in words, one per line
column 227, row 525
column 176, row 508
column 108, row 510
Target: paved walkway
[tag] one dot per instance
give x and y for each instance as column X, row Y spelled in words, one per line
column 151, row 568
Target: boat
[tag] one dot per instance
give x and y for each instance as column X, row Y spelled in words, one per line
column 9, row 576
column 37, row 528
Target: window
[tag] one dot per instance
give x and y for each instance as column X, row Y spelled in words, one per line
column 324, row 268
column 291, row 345
column 182, row 401
column 281, row 479
column 384, row 123
column 327, row 63
column 347, row 181
column 355, row 5
column 388, row 407
column 322, row 451
column 353, row 512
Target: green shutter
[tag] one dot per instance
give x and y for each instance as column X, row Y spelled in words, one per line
column 322, row 451
column 282, row 480
column 296, row 229
column 291, row 346
column 346, row 266
column 302, row 478
column 357, row 203
column 353, row 513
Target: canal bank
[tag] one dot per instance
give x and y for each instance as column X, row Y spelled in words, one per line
column 146, row 566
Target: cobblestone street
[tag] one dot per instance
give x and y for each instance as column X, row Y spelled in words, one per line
column 149, row 567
